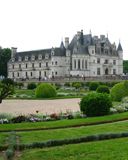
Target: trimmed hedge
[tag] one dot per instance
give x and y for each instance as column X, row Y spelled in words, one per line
column 93, row 86
column 45, row 90
column 31, row 86
column 103, row 89
column 90, row 138
column 96, row 104
column 119, row 91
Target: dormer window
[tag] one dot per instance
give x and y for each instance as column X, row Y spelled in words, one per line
column 26, row 58
column 46, row 56
column 13, row 59
column 19, row 59
column 33, row 58
column 40, row 57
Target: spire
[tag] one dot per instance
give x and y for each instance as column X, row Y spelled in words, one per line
column 82, row 38
column 62, row 45
column 119, row 47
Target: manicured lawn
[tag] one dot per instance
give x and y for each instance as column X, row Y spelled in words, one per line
column 103, row 150
column 62, row 123
column 3, row 137
column 37, row 136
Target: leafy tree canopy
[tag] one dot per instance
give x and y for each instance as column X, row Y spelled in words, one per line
column 5, row 55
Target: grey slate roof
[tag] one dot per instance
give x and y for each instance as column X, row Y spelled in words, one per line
column 119, row 47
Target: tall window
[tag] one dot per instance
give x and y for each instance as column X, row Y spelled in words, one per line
column 78, row 63
column 98, row 71
column 13, row 66
column 114, row 62
column 56, row 63
column 46, row 64
column 75, row 64
column 39, row 73
column 32, row 65
column 114, row 71
column 13, row 74
column 86, row 64
column 26, row 74
column 83, row 64
column 40, row 65
column 106, row 61
column 98, row 60
column 20, row 66
column 17, row 74
column 26, row 65
column 31, row 74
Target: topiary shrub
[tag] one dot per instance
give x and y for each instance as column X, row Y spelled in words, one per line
column 77, row 85
column 103, row 89
column 119, row 91
column 93, row 86
column 96, row 104
column 45, row 90
column 31, row 86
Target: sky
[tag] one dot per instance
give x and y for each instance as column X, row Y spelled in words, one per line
column 41, row 24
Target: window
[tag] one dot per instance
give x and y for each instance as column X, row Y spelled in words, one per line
column 82, row 63
column 26, row 58
column 114, row 71
column 31, row 74
column 98, row 71
column 40, row 65
column 13, row 66
column 17, row 74
column 98, row 60
column 40, row 57
column 86, row 64
column 33, row 58
column 92, row 51
column 46, row 56
column 13, row 74
column 56, row 63
column 32, row 65
column 75, row 64
column 19, row 59
column 78, row 63
column 46, row 64
column 55, row 73
column 39, row 73
column 26, row 65
column 20, row 66
column 114, row 62
column 26, row 74
column 106, row 61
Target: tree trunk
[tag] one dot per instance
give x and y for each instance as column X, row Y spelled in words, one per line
column 0, row 100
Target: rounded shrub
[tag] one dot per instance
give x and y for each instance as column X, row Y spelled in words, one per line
column 96, row 104
column 93, row 86
column 31, row 86
column 103, row 89
column 77, row 85
column 119, row 91
column 45, row 90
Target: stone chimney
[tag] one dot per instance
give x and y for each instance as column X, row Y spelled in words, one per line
column 66, row 42
column 13, row 52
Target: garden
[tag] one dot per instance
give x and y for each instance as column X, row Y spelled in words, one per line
column 91, row 133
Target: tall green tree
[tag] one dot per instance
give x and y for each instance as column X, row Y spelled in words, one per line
column 5, row 55
column 6, row 88
column 125, row 66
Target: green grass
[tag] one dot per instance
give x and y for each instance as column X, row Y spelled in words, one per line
column 37, row 136
column 3, row 137
column 103, row 150
column 62, row 123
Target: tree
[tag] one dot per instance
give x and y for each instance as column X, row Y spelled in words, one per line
column 125, row 66
column 5, row 55
column 6, row 88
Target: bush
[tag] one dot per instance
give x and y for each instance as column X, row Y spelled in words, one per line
column 77, row 85
column 96, row 104
column 19, row 119
column 45, row 90
column 103, row 89
column 93, row 86
column 119, row 91
column 67, row 84
column 31, row 86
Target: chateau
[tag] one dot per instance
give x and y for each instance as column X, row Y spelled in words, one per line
column 84, row 56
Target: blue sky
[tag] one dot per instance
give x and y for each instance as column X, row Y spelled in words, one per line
column 38, row 24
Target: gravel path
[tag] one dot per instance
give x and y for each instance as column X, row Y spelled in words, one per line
column 17, row 107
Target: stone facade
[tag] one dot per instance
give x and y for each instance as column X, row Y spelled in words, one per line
column 84, row 56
